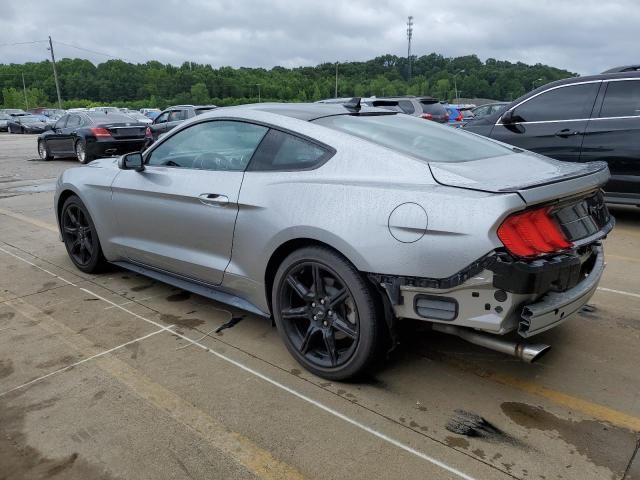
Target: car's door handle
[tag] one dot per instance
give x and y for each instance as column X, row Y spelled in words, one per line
column 566, row 132
column 213, row 199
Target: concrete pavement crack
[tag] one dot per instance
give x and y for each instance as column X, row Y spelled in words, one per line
column 633, row 457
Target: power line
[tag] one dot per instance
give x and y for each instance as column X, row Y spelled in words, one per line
column 93, row 51
column 22, row 43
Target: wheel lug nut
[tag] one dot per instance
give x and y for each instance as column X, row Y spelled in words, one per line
column 322, row 301
column 315, row 318
column 313, row 304
column 329, row 312
column 325, row 323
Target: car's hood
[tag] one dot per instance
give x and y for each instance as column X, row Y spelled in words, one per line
column 534, row 177
column 110, row 162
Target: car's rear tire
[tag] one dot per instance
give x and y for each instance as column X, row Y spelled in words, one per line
column 80, row 236
column 9, row 130
column 81, row 152
column 335, row 331
column 43, row 151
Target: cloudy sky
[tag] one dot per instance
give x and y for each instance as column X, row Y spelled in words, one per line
column 583, row 36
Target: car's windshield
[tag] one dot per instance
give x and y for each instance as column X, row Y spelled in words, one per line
column 419, row 138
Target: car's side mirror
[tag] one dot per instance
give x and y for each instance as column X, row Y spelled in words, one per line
column 131, row 161
column 507, row 117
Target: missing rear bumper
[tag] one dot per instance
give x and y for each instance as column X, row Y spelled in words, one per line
column 556, row 307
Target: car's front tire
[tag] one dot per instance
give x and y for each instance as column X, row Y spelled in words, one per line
column 80, row 236
column 327, row 313
column 43, row 151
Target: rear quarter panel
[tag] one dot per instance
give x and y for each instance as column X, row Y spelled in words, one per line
column 346, row 204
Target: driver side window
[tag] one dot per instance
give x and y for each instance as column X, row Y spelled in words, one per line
column 162, row 118
column 215, row 145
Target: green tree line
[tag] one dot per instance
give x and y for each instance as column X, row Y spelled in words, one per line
column 117, row 82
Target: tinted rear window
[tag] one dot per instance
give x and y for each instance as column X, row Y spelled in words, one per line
column 427, row 141
column 386, row 104
column 433, row 108
column 204, row 109
column 282, row 151
column 622, row 99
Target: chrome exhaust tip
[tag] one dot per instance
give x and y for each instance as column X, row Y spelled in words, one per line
column 526, row 352
column 530, row 353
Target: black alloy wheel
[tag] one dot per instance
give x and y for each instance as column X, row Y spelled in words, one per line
column 80, row 236
column 326, row 313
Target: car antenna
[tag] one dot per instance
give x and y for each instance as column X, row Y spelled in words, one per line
column 353, row 104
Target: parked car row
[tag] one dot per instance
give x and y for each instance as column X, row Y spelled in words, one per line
column 428, row 108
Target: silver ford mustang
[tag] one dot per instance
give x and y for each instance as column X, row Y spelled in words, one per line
column 338, row 221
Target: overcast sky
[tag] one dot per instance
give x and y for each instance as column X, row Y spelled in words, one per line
column 583, row 36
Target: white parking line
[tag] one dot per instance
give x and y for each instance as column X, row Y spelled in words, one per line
column 128, row 302
column 60, row 370
column 38, row 267
column 619, row 292
column 250, row 370
column 299, row 395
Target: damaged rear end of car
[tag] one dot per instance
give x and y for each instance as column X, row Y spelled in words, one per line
column 547, row 264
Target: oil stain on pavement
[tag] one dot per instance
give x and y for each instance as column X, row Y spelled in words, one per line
column 603, row 444
column 20, row 460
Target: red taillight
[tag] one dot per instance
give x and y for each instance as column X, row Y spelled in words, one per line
column 427, row 116
column 532, row 233
column 459, row 118
column 100, row 132
column 147, row 133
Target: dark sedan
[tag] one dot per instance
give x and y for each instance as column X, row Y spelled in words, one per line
column 172, row 117
column 26, row 124
column 4, row 121
column 90, row 135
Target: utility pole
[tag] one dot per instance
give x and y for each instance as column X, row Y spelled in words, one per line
column 409, row 35
column 24, row 89
column 455, row 83
column 259, row 97
column 55, row 74
column 336, row 93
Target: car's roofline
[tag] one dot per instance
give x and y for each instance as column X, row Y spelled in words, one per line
column 300, row 111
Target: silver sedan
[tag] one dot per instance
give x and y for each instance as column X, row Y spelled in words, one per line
column 339, row 221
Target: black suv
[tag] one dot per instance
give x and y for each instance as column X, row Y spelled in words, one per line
column 579, row 119
column 172, row 117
